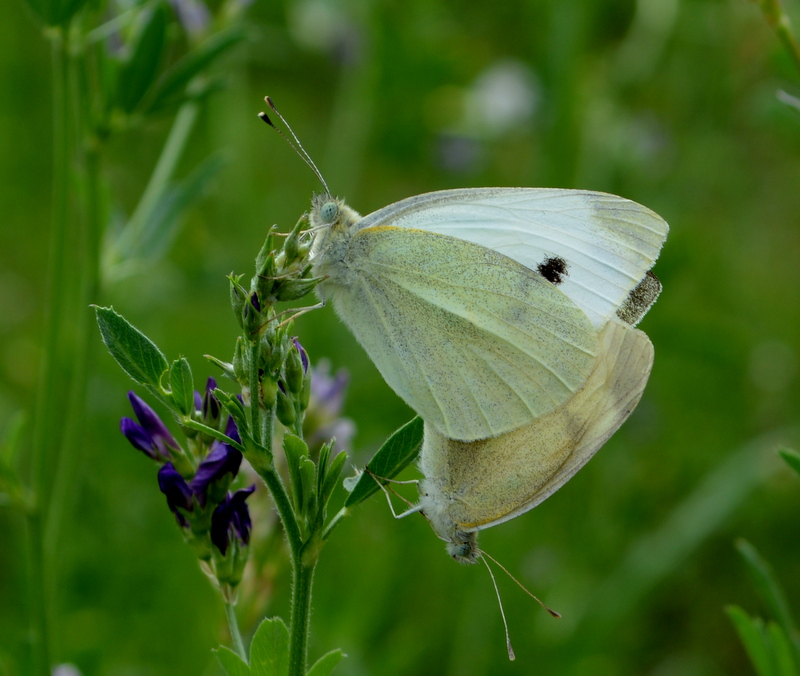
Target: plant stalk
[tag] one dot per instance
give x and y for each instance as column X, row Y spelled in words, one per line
column 233, row 625
column 302, row 581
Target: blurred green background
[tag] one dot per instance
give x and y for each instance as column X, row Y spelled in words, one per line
column 670, row 103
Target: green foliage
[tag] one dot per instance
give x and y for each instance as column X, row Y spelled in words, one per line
column 170, row 90
column 327, row 663
column 269, row 654
column 136, row 354
column 181, row 385
column 766, row 644
column 138, row 72
column 397, row 453
column 791, row 457
column 269, row 651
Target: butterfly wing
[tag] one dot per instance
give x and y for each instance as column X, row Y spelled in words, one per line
column 606, row 243
column 471, row 486
column 474, row 342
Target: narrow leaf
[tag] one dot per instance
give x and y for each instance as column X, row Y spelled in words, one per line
column 269, row 650
column 138, row 74
column 322, row 466
column 399, row 451
column 791, row 457
column 55, row 12
column 182, row 385
column 295, row 450
column 751, row 633
column 308, row 475
column 782, row 657
column 326, row 664
column 170, row 87
column 11, row 443
column 211, row 432
column 163, row 223
column 134, row 352
column 768, row 587
column 331, row 478
column 231, row 662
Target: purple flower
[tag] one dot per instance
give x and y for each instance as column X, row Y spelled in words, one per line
column 303, row 354
column 230, row 428
column 231, row 520
column 194, row 15
column 221, row 460
column 210, row 406
column 328, row 391
column 178, row 492
column 324, row 415
column 151, row 435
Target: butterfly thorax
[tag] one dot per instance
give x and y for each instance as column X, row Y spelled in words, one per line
column 333, row 223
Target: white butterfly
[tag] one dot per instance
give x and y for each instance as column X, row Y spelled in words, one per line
column 470, row 486
column 482, row 308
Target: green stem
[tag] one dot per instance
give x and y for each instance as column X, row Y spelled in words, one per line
column 255, row 395
column 48, row 396
column 302, row 581
column 68, row 460
column 283, row 504
column 779, row 20
column 37, row 594
column 233, row 625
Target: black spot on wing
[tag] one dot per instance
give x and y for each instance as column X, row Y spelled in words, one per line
column 553, row 269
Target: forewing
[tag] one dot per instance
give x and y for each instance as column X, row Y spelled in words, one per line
column 474, row 342
column 607, row 242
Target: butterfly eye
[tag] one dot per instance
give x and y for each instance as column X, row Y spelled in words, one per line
column 329, row 211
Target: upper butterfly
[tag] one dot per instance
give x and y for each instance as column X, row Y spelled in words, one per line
column 482, row 308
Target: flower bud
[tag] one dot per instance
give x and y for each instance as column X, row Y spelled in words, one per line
column 284, row 408
column 179, row 494
column 295, row 367
column 231, row 520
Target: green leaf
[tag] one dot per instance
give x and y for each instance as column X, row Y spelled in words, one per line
column 171, row 86
column 768, row 587
column 326, row 664
column 231, row 662
column 55, row 12
column 782, row 657
column 753, row 638
column 215, row 434
column 269, row 650
column 182, row 385
column 156, row 234
column 399, row 450
column 308, row 475
column 331, row 478
column 134, row 352
column 791, row 457
column 10, row 445
column 139, row 72
column 322, row 467
column 295, row 450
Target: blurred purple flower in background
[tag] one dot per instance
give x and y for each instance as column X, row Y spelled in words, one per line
column 324, row 415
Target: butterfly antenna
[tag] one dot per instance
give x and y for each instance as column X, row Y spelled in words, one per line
column 521, row 586
column 296, row 145
column 509, row 647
